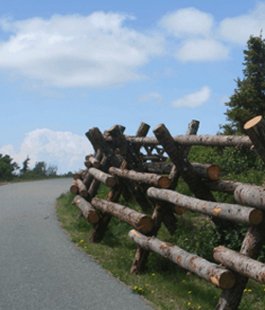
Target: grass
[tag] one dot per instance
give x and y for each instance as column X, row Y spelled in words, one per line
column 164, row 284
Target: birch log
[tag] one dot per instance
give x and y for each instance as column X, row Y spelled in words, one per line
column 240, row 263
column 89, row 213
column 211, row 272
column 147, row 178
column 141, row 222
column 231, row 212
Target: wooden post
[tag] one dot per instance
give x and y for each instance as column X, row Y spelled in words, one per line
column 140, row 221
column 230, row 212
column 175, row 152
column 141, row 177
column 89, row 213
column 211, row 272
column 255, row 129
column 251, row 246
column 240, row 263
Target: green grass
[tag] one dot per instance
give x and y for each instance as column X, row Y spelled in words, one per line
column 163, row 283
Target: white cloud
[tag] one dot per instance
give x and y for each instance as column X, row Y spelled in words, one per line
column 238, row 29
column 77, row 51
column 186, row 22
column 201, row 50
column 61, row 148
column 194, row 99
column 151, row 97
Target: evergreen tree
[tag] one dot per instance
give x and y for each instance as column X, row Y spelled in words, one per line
column 25, row 166
column 7, row 167
column 249, row 97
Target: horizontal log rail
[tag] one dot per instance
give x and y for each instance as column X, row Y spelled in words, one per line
column 240, row 263
column 141, row 177
column 139, row 221
column 87, row 210
column 231, row 212
column 211, row 272
column 103, row 177
column 189, row 140
column 250, row 195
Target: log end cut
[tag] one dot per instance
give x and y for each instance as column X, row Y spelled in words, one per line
column 164, row 182
column 225, row 280
column 145, row 224
column 213, row 172
column 74, row 189
column 252, row 122
column 255, row 217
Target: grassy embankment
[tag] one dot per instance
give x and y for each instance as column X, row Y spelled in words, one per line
column 163, row 283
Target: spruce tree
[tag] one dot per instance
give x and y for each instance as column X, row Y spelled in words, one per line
column 248, row 99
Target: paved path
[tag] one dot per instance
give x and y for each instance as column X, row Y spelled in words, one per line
column 40, row 269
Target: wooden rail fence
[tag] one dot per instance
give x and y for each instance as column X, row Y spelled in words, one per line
column 148, row 169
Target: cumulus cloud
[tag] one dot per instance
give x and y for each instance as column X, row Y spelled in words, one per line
column 76, row 51
column 201, row 50
column 194, row 99
column 61, row 148
column 238, row 29
column 186, row 22
column 194, row 32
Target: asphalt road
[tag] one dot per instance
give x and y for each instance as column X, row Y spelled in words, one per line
column 40, row 268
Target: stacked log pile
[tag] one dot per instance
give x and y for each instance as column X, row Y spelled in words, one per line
column 147, row 170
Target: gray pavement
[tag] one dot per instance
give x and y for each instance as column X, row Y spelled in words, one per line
column 40, row 268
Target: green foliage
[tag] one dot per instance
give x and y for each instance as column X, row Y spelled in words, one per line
column 7, row 167
column 248, row 99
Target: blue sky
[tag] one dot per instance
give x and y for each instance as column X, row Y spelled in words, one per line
column 67, row 66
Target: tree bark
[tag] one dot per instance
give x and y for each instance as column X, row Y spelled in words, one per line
column 103, row 177
column 142, row 177
column 231, row 212
column 251, row 246
column 240, row 263
column 78, row 187
column 139, row 221
column 89, row 213
column 250, row 195
column 211, row 272
column 204, row 140
column 93, row 162
column 225, row 186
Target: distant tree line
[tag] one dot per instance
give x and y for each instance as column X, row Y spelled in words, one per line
column 9, row 169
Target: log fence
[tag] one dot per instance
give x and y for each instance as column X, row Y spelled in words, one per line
column 147, row 169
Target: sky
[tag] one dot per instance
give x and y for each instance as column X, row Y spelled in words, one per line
column 68, row 66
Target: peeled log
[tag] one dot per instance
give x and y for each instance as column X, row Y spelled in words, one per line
column 231, row 212
column 250, row 195
column 89, row 213
column 148, row 178
column 211, row 272
column 141, row 222
column 255, row 129
column 103, row 177
column 240, row 263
